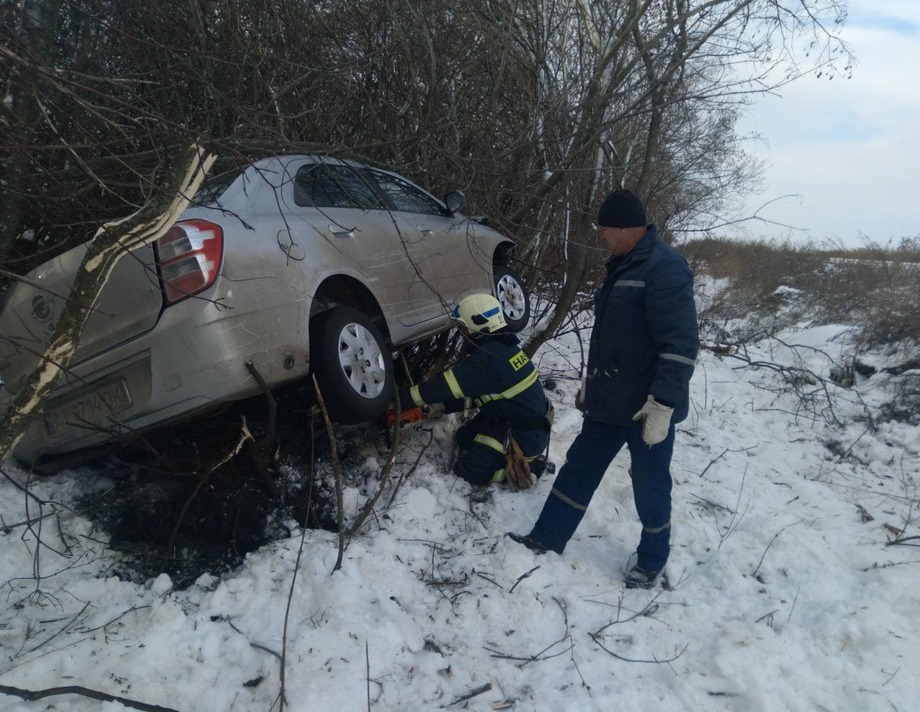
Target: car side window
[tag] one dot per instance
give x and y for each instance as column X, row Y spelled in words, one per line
column 323, row 185
column 405, row 196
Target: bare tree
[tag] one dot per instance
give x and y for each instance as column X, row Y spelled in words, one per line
column 536, row 107
column 649, row 91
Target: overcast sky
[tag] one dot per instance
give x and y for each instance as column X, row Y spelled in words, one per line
column 846, row 150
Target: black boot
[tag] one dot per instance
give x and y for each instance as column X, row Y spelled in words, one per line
column 540, row 465
column 641, row 578
column 528, row 541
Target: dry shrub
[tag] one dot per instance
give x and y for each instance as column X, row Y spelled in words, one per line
column 756, row 274
column 875, row 289
column 880, row 296
column 756, row 269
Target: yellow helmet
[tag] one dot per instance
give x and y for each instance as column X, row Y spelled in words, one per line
column 480, row 313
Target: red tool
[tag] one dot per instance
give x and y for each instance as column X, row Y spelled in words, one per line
column 406, row 417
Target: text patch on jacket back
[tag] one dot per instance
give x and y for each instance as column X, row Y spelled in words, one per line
column 518, row 360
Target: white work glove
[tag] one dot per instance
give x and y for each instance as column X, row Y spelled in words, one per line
column 435, row 410
column 656, row 421
column 580, row 396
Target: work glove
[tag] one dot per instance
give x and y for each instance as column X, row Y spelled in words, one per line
column 517, row 469
column 580, row 396
column 656, row 420
column 435, row 410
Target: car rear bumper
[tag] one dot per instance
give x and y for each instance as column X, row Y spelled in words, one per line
column 172, row 371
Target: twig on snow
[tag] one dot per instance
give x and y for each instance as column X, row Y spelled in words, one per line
column 713, row 462
column 257, row 646
column 483, row 576
column 337, row 470
column 300, row 547
column 645, row 612
column 470, row 695
column 526, row 660
column 735, row 520
column 66, row 626
column 794, row 600
column 405, row 475
column 116, row 618
column 762, row 556
column 385, row 475
column 656, row 661
column 367, row 674
column 542, row 655
column 522, row 577
column 890, row 564
column 721, row 455
column 83, row 691
column 903, row 541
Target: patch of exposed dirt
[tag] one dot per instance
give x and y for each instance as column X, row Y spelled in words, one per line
column 177, row 507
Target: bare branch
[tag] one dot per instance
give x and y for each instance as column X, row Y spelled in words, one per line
column 83, row 692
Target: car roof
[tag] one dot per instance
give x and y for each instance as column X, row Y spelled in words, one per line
column 284, row 160
column 275, row 170
column 280, row 164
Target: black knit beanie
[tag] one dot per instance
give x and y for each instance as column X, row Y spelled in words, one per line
column 622, row 208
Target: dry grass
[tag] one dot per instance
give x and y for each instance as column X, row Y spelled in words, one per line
column 875, row 289
column 766, row 287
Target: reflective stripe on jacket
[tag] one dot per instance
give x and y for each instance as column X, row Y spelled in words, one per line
column 499, row 379
column 645, row 339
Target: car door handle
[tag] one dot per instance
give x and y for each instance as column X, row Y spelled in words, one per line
column 340, row 231
column 424, row 230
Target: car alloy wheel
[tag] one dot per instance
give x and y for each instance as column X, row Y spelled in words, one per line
column 513, row 297
column 352, row 364
column 361, row 359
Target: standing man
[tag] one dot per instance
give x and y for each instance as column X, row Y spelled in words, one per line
column 643, row 350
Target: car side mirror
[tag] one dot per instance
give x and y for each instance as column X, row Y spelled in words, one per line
column 454, row 201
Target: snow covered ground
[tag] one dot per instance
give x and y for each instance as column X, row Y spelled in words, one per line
column 785, row 592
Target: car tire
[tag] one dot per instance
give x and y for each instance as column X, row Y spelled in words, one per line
column 353, row 365
column 513, row 297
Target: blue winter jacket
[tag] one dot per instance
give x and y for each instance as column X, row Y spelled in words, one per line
column 645, row 339
column 499, row 379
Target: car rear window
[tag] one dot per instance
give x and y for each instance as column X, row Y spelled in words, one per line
column 324, row 185
column 215, row 186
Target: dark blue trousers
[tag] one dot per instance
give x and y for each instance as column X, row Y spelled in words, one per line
column 586, row 462
column 476, row 462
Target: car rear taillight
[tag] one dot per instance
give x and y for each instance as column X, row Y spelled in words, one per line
column 189, row 256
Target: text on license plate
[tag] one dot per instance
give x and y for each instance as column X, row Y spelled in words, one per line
column 92, row 408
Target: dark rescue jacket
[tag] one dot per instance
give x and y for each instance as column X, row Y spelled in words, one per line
column 499, row 379
column 645, row 339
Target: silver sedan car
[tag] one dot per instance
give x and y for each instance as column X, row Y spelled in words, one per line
column 290, row 266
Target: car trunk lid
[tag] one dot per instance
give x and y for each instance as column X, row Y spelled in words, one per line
column 129, row 305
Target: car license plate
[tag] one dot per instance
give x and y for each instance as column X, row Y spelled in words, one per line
column 90, row 409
